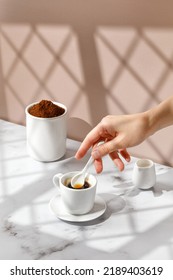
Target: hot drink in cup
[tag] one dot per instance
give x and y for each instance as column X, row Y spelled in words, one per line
column 79, row 200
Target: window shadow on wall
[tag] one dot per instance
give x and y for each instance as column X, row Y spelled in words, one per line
column 98, row 59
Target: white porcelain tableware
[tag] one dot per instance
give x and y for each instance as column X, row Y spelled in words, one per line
column 79, row 178
column 46, row 137
column 144, row 174
column 57, row 208
column 76, row 201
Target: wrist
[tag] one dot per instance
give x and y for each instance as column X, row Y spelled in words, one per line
column 150, row 119
column 160, row 116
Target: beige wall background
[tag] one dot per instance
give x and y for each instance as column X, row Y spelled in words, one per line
column 97, row 57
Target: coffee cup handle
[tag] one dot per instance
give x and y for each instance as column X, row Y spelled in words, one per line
column 56, row 179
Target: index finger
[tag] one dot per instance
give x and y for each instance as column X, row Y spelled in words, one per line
column 93, row 137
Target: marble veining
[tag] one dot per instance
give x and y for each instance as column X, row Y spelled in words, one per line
column 136, row 224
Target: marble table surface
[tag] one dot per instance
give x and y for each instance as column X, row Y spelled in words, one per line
column 136, row 224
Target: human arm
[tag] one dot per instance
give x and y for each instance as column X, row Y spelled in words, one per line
column 160, row 116
column 124, row 131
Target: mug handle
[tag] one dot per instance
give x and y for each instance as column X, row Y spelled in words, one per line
column 56, row 179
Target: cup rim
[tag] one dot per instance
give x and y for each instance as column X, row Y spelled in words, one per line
column 78, row 190
column 41, row 118
column 141, row 163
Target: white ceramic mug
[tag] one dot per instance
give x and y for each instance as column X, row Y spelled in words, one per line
column 144, row 174
column 76, row 201
column 46, row 137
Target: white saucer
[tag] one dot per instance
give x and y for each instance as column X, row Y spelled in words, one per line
column 57, row 208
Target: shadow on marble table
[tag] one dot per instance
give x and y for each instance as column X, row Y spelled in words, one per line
column 164, row 182
column 114, row 204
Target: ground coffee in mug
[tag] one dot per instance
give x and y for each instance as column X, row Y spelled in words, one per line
column 46, row 109
column 46, row 126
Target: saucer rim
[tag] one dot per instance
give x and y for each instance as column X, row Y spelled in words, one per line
column 79, row 218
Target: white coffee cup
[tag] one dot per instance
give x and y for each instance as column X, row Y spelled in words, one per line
column 144, row 174
column 76, row 201
column 46, row 137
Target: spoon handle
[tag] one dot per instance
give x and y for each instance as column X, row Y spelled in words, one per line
column 90, row 161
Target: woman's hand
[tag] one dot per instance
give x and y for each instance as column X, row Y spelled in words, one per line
column 118, row 133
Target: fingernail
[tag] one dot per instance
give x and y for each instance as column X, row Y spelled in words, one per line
column 95, row 154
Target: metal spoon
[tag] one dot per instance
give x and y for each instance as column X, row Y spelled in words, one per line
column 78, row 180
